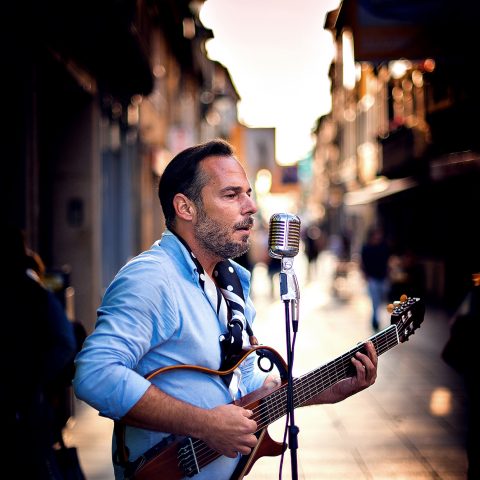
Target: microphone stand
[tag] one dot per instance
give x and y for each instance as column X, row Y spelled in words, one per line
column 290, row 295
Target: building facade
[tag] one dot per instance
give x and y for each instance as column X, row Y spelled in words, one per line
column 400, row 146
column 98, row 100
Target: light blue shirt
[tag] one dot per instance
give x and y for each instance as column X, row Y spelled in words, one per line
column 155, row 314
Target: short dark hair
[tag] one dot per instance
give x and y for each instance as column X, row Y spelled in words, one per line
column 182, row 175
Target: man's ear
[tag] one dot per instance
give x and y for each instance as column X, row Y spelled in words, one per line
column 184, row 207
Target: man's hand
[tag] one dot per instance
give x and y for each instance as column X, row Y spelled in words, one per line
column 366, row 374
column 230, row 430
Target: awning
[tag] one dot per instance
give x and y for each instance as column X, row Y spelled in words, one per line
column 388, row 30
column 378, row 188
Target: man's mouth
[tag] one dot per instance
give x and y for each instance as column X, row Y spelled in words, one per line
column 245, row 226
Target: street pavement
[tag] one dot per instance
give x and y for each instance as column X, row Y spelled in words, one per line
column 410, row 425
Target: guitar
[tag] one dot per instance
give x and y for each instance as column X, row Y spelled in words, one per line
column 175, row 458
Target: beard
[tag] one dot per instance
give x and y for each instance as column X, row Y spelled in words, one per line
column 217, row 238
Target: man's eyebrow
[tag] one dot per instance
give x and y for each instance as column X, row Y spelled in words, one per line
column 234, row 189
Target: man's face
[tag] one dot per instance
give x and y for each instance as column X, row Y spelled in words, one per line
column 224, row 217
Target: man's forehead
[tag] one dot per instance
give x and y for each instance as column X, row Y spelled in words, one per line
column 225, row 172
column 218, row 159
column 222, row 166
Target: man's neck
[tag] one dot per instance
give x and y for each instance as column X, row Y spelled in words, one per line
column 206, row 259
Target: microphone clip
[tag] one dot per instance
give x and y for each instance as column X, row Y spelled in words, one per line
column 289, row 289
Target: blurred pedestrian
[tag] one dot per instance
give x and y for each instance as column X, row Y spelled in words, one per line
column 375, row 255
column 274, row 267
column 245, row 261
column 40, row 345
column 406, row 275
column 460, row 352
column 314, row 242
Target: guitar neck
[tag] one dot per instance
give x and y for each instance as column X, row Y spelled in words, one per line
column 307, row 386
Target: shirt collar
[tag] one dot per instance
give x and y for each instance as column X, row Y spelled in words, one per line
column 171, row 243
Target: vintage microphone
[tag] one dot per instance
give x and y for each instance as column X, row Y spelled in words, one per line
column 284, row 244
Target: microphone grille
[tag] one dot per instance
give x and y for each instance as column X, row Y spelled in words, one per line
column 284, row 235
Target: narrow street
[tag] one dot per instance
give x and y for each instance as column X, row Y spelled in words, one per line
column 409, row 425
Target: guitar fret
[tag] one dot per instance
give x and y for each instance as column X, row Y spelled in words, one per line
column 313, row 383
column 274, row 406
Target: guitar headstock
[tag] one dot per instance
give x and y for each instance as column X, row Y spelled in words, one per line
column 407, row 314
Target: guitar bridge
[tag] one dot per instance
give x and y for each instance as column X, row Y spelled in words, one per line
column 187, row 459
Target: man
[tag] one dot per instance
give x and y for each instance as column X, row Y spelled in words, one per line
column 375, row 255
column 36, row 362
column 163, row 308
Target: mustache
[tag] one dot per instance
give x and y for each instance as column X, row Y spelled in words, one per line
column 248, row 223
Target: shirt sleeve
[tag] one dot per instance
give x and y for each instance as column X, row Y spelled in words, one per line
column 135, row 314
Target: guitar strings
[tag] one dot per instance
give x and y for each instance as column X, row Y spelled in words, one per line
column 309, row 382
column 275, row 402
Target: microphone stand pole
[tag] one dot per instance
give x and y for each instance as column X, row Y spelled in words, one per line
column 290, row 295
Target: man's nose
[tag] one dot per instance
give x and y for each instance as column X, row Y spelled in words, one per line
column 249, row 205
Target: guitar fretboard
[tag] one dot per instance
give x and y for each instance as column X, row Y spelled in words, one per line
column 307, row 386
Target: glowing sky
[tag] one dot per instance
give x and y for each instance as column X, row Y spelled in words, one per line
column 278, row 55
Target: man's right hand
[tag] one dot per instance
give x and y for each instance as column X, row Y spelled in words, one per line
column 230, row 430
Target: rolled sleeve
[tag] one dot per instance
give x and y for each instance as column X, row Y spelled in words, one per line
column 134, row 315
